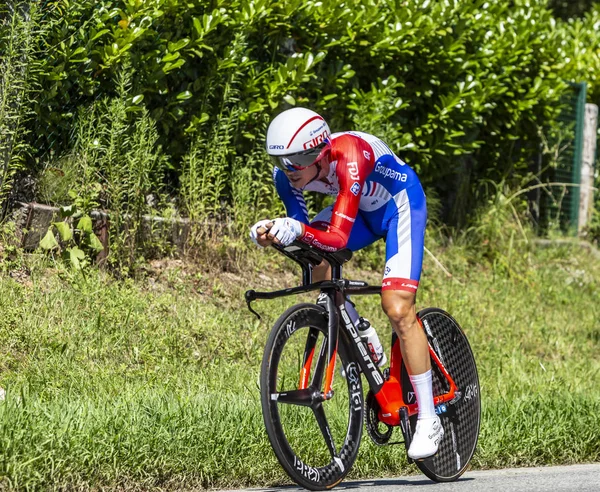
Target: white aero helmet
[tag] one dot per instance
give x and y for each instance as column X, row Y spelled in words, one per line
column 297, row 138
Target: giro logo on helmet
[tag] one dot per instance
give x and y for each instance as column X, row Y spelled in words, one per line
column 276, row 147
column 319, row 139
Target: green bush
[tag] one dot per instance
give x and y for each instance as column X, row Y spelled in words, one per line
column 463, row 91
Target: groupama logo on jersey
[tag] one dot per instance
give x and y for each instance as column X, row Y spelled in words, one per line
column 390, row 173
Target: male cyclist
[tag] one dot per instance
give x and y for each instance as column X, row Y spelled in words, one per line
column 377, row 196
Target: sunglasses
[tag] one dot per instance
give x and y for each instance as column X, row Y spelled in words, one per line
column 300, row 160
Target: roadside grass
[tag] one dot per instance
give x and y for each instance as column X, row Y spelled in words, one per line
column 153, row 383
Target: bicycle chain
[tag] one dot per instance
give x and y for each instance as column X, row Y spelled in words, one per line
column 372, row 422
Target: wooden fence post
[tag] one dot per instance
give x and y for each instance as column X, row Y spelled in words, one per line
column 586, row 201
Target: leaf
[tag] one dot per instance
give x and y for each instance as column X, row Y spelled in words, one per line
column 309, row 60
column 100, row 33
column 198, row 26
column 182, row 43
column 68, row 210
column 49, row 241
column 289, row 99
column 64, row 231
column 85, row 224
column 77, row 51
column 255, row 106
column 172, row 66
column 76, row 256
column 170, row 57
column 137, row 99
column 182, row 96
column 94, row 242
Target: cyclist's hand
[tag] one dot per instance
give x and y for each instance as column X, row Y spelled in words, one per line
column 258, row 233
column 285, row 230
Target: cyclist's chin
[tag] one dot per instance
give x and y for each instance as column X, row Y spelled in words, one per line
column 298, row 182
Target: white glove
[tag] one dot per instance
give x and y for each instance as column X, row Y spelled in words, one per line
column 286, row 230
column 254, row 230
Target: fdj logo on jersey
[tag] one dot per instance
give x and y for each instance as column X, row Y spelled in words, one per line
column 353, row 170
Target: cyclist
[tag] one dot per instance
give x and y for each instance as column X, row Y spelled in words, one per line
column 377, row 196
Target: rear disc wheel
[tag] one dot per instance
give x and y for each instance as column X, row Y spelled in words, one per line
column 461, row 419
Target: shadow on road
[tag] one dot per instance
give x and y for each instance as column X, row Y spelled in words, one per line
column 357, row 484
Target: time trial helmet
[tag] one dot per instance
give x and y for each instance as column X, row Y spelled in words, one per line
column 297, row 138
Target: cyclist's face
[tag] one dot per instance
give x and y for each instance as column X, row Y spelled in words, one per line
column 301, row 177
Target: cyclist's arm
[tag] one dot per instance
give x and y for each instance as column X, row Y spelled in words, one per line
column 355, row 161
column 292, row 198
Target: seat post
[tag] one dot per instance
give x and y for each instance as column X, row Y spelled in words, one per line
column 336, row 272
column 306, row 274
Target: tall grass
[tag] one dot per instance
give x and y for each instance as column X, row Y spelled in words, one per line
column 18, row 35
column 207, row 167
column 153, row 383
column 116, row 164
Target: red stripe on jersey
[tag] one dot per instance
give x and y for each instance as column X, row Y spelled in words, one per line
column 405, row 284
column 303, row 125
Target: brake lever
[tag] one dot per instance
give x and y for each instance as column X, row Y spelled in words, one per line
column 249, row 295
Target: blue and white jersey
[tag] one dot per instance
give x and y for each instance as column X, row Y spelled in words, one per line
column 392, row 204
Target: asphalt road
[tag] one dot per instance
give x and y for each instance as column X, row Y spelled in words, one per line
column 575, row 478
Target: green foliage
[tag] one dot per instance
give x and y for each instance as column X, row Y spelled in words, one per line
column 18, row 74
column 463, row 91
column 115, row 164
column 76, row 241
column 567, row 9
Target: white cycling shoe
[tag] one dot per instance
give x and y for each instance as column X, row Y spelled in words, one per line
column 427, row 438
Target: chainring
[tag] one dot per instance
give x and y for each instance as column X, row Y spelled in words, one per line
column 373, row 424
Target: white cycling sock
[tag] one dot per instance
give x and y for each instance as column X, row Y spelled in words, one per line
column 422, row 384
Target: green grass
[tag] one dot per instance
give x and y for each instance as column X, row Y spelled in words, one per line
column 153, row 383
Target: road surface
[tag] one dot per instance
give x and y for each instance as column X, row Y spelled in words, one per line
column 574, row 478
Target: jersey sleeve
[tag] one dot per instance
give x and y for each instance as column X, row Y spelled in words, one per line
column 293, row 200
column 355, row 161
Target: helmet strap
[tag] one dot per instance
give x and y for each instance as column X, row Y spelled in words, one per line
column 319, row 168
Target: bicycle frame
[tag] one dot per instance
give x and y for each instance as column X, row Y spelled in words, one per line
column 388, row 392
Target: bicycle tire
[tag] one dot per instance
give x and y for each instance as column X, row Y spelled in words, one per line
column 304, row 460
column 462, row 419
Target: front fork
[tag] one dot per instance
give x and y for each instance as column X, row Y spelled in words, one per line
column 328, row 300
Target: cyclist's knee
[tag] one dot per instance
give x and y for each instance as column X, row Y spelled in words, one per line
column 399, row 306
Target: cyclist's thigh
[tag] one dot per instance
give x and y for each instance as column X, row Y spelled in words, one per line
column 405, row 242
column 360, row 236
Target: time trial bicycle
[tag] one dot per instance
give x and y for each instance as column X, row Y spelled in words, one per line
column 314, row 420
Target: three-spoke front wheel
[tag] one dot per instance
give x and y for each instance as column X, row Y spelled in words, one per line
column 315, row 441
